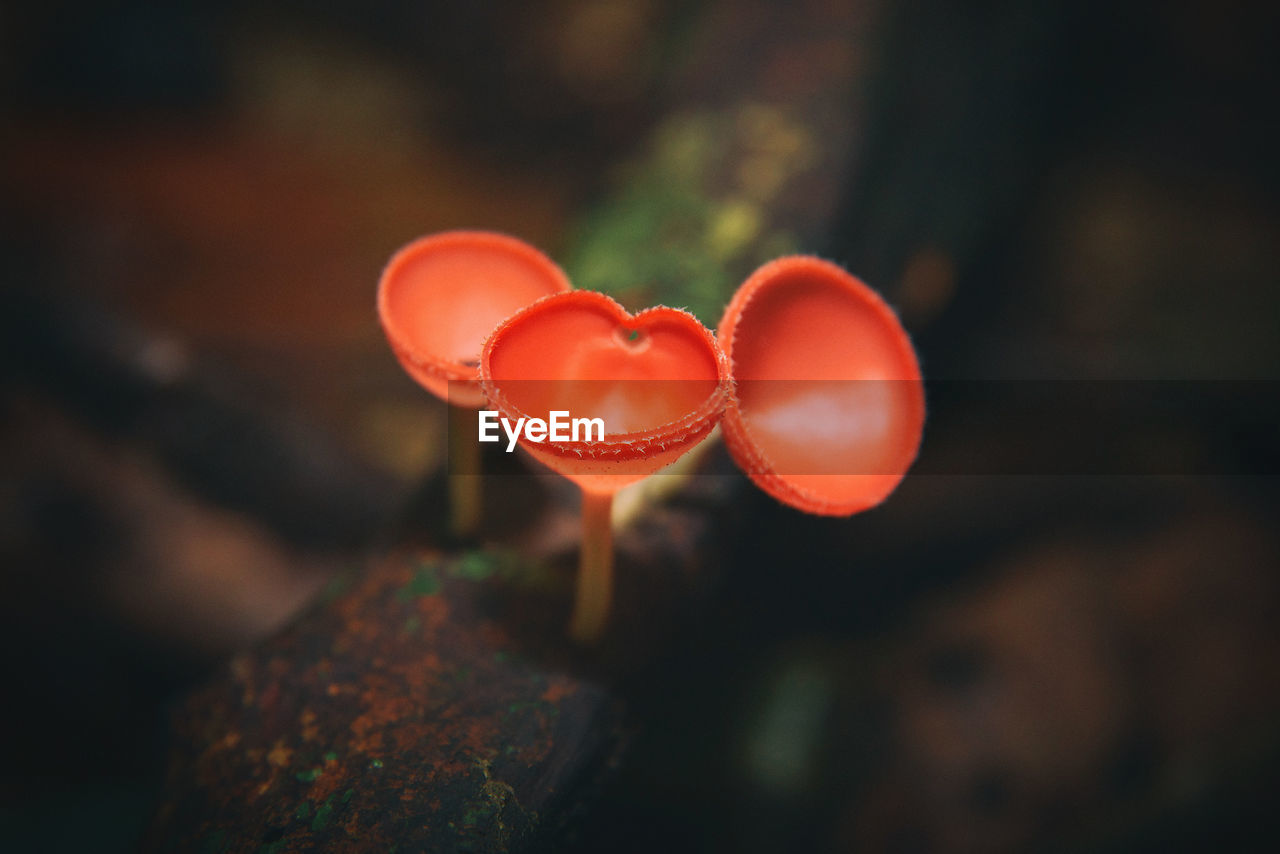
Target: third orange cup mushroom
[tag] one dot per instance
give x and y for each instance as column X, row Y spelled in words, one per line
column 828, row 407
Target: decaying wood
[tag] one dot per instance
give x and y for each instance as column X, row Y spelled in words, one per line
column 401, row 715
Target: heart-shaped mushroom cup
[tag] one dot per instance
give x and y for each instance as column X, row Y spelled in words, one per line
column 656, row 381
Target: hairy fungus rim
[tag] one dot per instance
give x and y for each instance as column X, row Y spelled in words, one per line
column 745, row 448
column 622, row 447
column 445, row 368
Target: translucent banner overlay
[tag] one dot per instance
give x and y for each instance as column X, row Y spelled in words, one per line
column 863, row 427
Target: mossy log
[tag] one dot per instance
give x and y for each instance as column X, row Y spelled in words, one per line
column 398, row 715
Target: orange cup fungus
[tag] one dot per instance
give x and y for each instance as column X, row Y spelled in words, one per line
column 657, row 381
column 814, row 377
column 828, row 407
column 440, row 296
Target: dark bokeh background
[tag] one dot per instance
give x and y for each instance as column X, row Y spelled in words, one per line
column 1062, row 635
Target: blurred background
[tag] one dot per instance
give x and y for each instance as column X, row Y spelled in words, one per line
column 1061, row 633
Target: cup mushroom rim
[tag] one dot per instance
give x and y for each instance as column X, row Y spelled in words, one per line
column 738, row 433
column 632, row 445
column 447, row 369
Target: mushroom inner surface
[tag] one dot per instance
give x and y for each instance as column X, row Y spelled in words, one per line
column 827, row 385
column 578, row 356
column 448, row 299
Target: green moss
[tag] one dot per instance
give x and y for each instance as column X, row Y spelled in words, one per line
column 303, row 812
column 309, row 776
column 323, row 814
column 476, row 566
column 423, row 583
column 685, row 228
column 650, row 246
column 490, row 563
column 664, row 237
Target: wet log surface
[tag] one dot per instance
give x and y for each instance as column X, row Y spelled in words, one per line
column 400, row 715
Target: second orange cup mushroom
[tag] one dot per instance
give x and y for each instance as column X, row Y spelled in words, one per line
column 439, row 298
column 657, row 381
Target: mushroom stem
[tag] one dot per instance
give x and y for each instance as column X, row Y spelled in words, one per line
column 465, row 485
column 595, row 572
